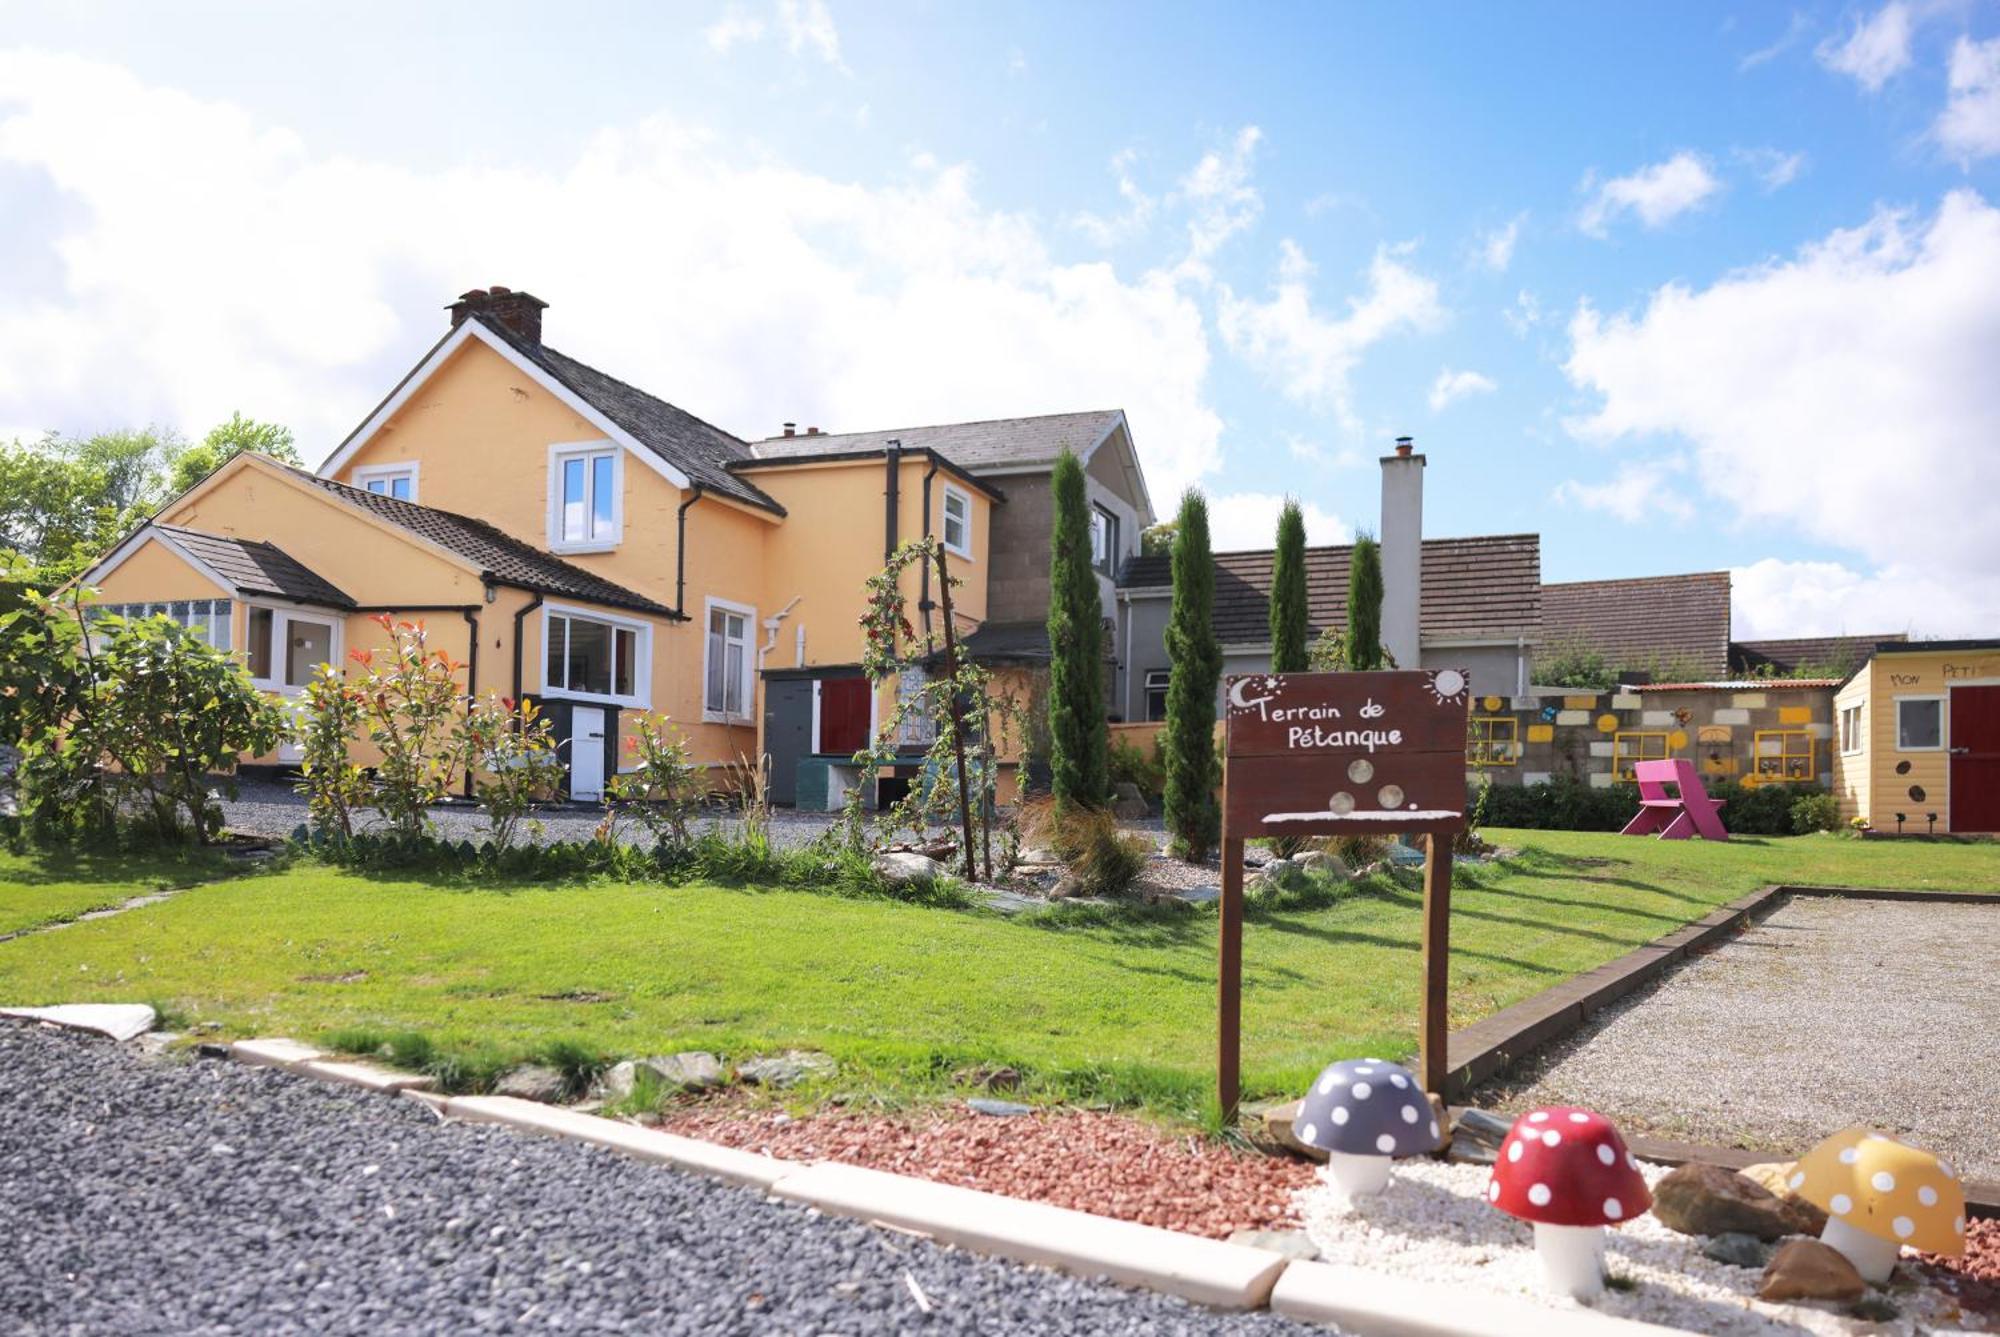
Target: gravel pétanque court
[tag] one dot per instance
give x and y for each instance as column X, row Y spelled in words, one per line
column 1831, row 1011
column 170, row 1196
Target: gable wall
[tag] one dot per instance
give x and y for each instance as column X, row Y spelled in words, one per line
column 153, row 572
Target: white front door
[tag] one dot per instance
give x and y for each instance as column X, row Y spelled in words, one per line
column 586, row 753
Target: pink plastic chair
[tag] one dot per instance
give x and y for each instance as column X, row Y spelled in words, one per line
column 1689, row 811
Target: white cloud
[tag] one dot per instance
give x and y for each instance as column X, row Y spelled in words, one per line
column 1525, row 314
column 1452, row 386
column 1136, row 216
column 1876, row 50
column 1246, row 520
column 745, row 288
column 1658, row 193
column 1969, row 126
column 735, row 27
column 1780, row 598
column 1640, row 491
column 1308, row 451
column 808, row 26
column 1773, row 168
column 1309, row 355
column 1794, row 30
column 1220, row 199
column 1846, row 394
column 1496, row 248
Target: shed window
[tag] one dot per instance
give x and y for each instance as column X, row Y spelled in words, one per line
column 1850, row 729
column 958, row 521
column 1490, row 741
column 1919, row 723
column 1628, row 749
column 1156, row 693
column 591, row 658
column 1784, row 756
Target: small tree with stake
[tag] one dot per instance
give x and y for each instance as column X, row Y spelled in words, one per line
column 1194, row 821
column 1080, row 754
column 1364, row 606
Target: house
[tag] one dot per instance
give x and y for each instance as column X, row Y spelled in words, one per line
column 1918, row 738
column 1674, row 626
column 578, row 541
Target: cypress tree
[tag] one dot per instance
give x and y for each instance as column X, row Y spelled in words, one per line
column 1079, row 748
column 1288, row 592
column 1194, row 821
column 1364, row 605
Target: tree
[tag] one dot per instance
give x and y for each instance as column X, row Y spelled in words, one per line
column 1079, row 754
column 64, row 501
column 1194, row 822
column 1157, row 540
column 224, row 443
column 1288, row 592
column 1364, row 605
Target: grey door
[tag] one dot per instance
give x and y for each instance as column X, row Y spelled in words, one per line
column 788, row 718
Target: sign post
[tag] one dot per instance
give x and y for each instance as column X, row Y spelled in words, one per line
column 1336, row 754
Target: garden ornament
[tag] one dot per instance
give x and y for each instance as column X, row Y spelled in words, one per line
column 1567, row 1171
column 1364, row 1113
column 1878, row 1195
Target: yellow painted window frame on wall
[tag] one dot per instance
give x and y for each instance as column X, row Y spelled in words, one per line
column 1793, row 746
column 1492, row 740
column 1635, row 745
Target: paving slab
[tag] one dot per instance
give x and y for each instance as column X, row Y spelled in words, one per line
column 120, row 1021
column 650, row 1144
column 1384, row 1306
column 274, row 1052
column 367, row 1076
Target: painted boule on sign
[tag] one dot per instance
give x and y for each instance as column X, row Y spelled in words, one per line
column 1345, row 753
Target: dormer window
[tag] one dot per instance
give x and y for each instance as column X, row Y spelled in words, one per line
column 957, row 521
column 389, row 480
column 586, row 497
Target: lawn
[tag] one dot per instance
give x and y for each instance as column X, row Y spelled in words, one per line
column 47, row 888
column 904, row 994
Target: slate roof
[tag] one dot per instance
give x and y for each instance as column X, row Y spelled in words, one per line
column 1474, row 589
column 253, row 567
column 504, row 558
column 1008, row 643
column 1786, row 656
column 1674, row 621
column 998, row 443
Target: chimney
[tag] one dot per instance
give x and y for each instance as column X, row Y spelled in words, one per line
column 812, row 431
column 1402, row 539
column 518, row 313
column 791, row 429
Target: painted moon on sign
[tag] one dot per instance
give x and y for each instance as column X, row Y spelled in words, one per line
column 1361, row 770
column 1236, row 690
column 1391, row 796
column 1340, row 804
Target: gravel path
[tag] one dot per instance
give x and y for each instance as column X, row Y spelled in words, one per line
column 206, row 1197
column 1830, row 1012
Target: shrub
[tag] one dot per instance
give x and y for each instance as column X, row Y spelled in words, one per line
column 666, row 787
column 510, row 749
column 1815, row 812
column 1561, row 804
column 410, row 703
column 1144, row 767
column 1103, row 860
column 1758, row 810
column 329, row 720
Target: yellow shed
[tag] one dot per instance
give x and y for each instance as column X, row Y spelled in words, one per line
column 1917, row 738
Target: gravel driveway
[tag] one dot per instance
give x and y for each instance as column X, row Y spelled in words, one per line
column 202, row 1196
column 1830, row 1012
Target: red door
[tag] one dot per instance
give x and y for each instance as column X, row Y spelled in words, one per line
column 843, row 716
column 1975, row 759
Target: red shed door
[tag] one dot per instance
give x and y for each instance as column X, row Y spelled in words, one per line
column 1975, row 759
column 843, row 716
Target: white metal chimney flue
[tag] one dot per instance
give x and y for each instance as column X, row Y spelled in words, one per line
column 1402, row 539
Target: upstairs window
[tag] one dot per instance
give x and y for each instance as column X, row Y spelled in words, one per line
column 389, row 480
column 1103, row 540
column 594, row 658
column 586, row 502
column 726, row 662
column 957, row 521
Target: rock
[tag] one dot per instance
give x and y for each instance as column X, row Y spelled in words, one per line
column 156, row 1044
column 531, row 1081
column 1199, row 895
column 1131, row 809
column 992, row 1079
column 1036, row 856
column 1293, row 1244
column 1479, row 1126
column 1471, row 1150
column 1008, row 902
column 1126, row 789
column 999, row 1109
column 900, row 868
column 1321, row 864
column 1278, row 1127
column 1807, row 1219
column 690, row 1070
column 1805, row 1269
column 787, row 1069
column 1737, row 1249
column 1274, row 872
column 1771, row 1174
column 1699, row 1199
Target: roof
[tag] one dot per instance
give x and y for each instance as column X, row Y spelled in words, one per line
column 1473, row 588
column 909, row 453
column 998, row 443
column 500, row 557
column 1739, row 685
column 1008, row 643
column 253, row 567
column 1902, row 647
column 1789, row 655
column 1647, row 621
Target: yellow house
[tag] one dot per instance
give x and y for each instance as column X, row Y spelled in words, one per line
column 1917, row 738
column 578, row 541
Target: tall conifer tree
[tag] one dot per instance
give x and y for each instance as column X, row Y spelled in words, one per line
column 1194, row 821
column 1289, row 647
column 1079, row 750
column 1364, row 605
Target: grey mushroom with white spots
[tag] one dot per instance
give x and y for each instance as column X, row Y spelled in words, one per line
column 1365, row 1114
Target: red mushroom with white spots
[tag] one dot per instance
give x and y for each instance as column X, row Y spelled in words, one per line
column 1568, row 1172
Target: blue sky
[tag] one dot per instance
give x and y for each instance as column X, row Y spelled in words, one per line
column 1680, row 288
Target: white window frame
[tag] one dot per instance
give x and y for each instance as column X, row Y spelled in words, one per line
column 387, row 474
column 749, row 615
column 1147, row 690
column 561, row 454
column 964, row 547
column 1107, row 563
column 1853, row 728
column 165, row 608
column 641, row 697
column 1944, row 722
column 282, row 616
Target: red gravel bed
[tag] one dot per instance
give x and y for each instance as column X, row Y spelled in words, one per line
column 1101, row 1163
column 1981, row 1260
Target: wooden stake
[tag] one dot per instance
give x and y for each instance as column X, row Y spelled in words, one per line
column 1433, row 1058
column 1229, row 977
column 957, row 714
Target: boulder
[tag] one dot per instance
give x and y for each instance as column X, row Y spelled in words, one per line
column 1807, row 1218
column 1805, row 1269
column 1700, row 1199
column 690, row 1070
column 1274, row 872
column 531, row 1081
column 1131, row 809
column 1322, row 864
column 1034, row 856
column 902, row 867
column 1737, row 1249
column 1278, row 1128
column 1126, row 789
column 787, row 1069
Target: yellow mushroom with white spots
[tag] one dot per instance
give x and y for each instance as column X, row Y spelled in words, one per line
column 1879, row 1194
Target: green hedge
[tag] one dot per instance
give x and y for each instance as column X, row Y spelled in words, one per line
column 1565, row 804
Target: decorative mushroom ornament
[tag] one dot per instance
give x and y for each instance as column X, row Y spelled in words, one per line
column 1364, row 1113
column 1567, row 1171
column 1878, row 1195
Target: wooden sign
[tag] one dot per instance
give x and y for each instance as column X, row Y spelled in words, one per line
column 1319, row 754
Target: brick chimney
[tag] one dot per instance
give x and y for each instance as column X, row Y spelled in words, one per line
column 519, row 313
column 1402, row 539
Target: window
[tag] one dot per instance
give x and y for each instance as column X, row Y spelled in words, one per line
column 957, row 521
column 586, row 507
column 593, row 658
column 1490, row 741
column 918, row 729
column 1628, row 748
column 1103, row 540
column 1919, row 723
column 1784, row 756
column 285, row 648
column 208, row 619
column 389, row 480
column 725, row 668
column 1851, row 737
column 1156, row 693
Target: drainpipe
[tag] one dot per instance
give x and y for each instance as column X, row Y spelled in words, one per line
column 471, row 616
column 924, row 604
column 892, row 456
column 681, row 556
column 520, row 618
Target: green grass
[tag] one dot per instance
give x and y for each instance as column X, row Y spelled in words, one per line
column 50, row 887
column 1092, row 1008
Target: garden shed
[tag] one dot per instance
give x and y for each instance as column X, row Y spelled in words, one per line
column 1918, row 746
